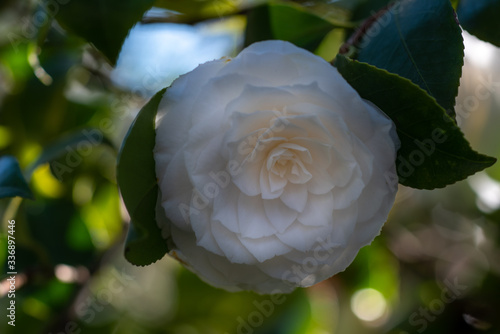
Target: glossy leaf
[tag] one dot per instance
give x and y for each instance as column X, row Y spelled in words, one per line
column 12, row 182
column 286, row 22
column 421, row 41
column 480, row 18
column 104, row 23
column 434, row 152
column 138, row 185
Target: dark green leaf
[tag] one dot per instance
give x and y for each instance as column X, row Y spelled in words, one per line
column 12, row 182
column 286, row 22
column 70, row 146
column 480, row 18
column 348, row 5
column 191, row 11
column 105, row 23
column 421, row 41
column 138, row 185
column 368, row 8
column 434, row 152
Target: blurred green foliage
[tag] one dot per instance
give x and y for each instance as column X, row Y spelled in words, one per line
column 287, row 23
column 62, row 118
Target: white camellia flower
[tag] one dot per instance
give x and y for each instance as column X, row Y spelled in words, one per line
column 272, row 169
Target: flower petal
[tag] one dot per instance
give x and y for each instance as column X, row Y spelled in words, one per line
column 274, row 72
column 202, row 156
column 301, row 237
column 280, row 215
column 225, row 208
column 265, row 178
column 171, row 122
column 200, row 224
column 343, row 197
column 257, row 98
column 218, row 271
column 265, row 248
column 252, row 218
column 295, row 196
column 322, row 182
column 175, row 191
column 276, row 184
column 318, row 210
column 231, row 245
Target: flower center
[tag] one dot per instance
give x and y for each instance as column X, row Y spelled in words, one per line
column 286, row 162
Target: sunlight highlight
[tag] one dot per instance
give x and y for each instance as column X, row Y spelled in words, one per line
column 46, row 184
column 369, row 305
column 487, row 190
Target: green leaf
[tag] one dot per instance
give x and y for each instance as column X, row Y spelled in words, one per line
column 286, row 22
column 70, row 146
column 434, row 152
column 368, row 8
column 12, row 182
column 191, row 11
column 138, row 185
column 104, row 23
column 421, row 41
column 480, row 18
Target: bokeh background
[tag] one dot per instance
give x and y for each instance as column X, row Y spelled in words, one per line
column 64, row 110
